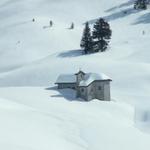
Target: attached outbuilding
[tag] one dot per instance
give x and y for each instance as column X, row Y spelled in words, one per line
column 88, row 86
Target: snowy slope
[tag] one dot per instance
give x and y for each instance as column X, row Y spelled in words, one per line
column 48, row 120
column 31, row 58
column 38, row 58
column 40, row 54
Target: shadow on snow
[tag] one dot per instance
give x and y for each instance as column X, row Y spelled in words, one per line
column 144, row 19
column 68, row 94
column 71, row 53
column 117, row 15
column 126, row 4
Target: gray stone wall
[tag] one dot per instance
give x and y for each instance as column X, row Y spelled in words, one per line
column 107, row 95
column 98, row 90
column 91, row 92
column 82, row 92
column 66, row 85
column 102, row 90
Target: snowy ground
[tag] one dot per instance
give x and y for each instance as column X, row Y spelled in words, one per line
column 31, row 58
column 38, row 118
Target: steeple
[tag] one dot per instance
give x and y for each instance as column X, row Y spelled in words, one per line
column 79, row 76
column 80, row 72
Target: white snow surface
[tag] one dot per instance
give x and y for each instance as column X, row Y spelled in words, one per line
column 90, row 77
column 33, row 55
column 36, row 118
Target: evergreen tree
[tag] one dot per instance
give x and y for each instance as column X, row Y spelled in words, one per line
column 148, row 2
column 86, row 41
column 140, row 4
column 101, row 35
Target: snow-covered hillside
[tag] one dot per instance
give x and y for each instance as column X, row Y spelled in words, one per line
column 35, row 118
column 33, row 57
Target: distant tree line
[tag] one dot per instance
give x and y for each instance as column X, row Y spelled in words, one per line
column 97, row 39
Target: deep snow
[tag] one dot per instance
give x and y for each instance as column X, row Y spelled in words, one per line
column 31, row 59
column 38, row 118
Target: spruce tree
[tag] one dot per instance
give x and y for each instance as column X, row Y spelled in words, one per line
column 136, row 5
column 143, row 4
column 140, row 4
column 86, row 41
column 101, row 35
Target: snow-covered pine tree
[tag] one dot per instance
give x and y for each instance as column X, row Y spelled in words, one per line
column 101, row 35
column 140, row 4
column 136, row 5
column 86, row 41
column 143, row 4
column 148, row 2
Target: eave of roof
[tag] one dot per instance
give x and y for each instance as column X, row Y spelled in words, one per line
column 95, row 81
column 65, row 82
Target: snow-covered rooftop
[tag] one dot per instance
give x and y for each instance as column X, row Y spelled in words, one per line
column 88, row 78
column 66, row 78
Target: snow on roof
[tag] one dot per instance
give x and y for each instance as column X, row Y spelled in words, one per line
column 90, row 77
column 66, row 78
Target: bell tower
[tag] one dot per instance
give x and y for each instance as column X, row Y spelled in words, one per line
column 79, row 77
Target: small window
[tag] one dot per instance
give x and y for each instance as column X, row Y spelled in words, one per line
column 82, row 90
column 99, row 88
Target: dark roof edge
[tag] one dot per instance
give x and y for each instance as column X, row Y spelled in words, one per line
column 80, row 72
column 94, row 81
column 65, row 83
